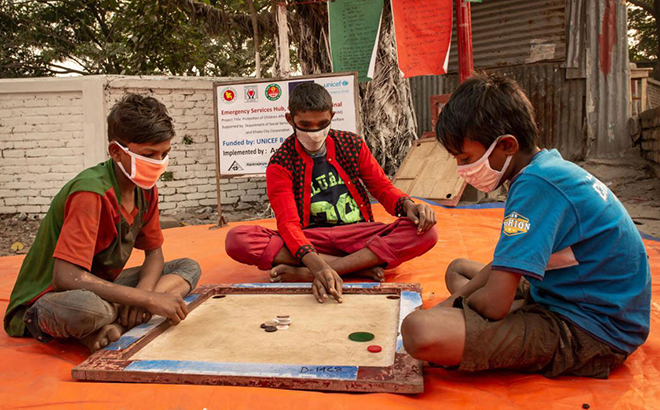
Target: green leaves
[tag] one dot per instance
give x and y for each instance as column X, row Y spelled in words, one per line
column 131, row 37
column 643, row 33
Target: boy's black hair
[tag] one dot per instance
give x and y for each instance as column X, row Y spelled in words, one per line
column 139, row 119
column 483, row 108
column 309, row 97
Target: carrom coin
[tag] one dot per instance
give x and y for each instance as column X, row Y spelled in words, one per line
column 361, row 336
column 374, row 348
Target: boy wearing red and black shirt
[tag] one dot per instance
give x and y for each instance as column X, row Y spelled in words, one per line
column 73, row 282
column 318, row 184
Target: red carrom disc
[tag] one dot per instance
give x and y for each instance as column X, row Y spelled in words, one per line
column 374, row 348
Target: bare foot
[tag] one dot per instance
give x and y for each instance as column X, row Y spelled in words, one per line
column 287, row 273
column 103, row 337
column 376, row 274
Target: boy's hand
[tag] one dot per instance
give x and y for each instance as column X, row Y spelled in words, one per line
column 130, row 316
column 327, row 281
column 421, row 214
column 169, row 305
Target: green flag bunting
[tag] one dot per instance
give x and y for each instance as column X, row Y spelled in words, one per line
column 354, row 26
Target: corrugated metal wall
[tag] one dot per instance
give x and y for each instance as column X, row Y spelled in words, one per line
column 581, row 97
column 514, row 32
column 608, row 76
column 559, row 103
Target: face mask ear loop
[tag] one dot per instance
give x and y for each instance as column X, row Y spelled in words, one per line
column 506, row 165
column 121, row 166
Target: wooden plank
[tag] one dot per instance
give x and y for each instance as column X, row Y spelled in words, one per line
column 429, row 172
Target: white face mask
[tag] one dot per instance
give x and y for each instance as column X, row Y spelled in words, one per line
column 480, row 175
column 312, row 140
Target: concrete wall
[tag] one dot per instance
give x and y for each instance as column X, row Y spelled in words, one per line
column 51, row 129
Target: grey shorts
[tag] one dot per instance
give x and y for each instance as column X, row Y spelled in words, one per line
column 79, row 313
column 534, row 339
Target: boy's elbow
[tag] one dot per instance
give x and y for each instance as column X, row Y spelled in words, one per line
column 61, row 281
column 58, row 283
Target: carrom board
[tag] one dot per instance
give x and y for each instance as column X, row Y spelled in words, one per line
column 221, row 341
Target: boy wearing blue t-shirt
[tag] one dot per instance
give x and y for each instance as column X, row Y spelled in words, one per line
column 569, row 287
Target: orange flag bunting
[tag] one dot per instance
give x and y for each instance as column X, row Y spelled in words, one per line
column 423, row 35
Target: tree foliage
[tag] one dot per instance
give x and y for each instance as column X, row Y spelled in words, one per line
column 46, row 37
column 644, row 29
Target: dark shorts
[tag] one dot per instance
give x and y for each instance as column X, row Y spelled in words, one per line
column 534, row 339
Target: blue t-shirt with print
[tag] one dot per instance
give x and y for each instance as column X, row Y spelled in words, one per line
column 575, row 243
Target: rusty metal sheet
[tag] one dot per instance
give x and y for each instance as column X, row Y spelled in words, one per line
column 559, row 103
column 608, row 78
column 513, row 32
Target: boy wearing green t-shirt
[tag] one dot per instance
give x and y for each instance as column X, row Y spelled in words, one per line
column 73, row 282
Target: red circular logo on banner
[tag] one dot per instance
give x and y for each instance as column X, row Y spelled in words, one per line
column 228, row 95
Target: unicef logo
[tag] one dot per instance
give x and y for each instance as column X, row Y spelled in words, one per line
column 333, row 84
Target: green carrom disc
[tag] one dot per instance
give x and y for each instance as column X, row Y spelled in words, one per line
column 361, row 336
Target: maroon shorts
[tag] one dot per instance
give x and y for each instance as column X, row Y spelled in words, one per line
column 393, row 243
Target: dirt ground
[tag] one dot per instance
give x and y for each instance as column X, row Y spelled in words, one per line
column 635, row 181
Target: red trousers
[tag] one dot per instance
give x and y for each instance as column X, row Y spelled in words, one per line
column 393, row 243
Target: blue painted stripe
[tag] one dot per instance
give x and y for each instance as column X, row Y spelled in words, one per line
column 361, row 285
column 271, row 285
column 134, row 334
column 137, row 332
column 648, row 237
column 122, row 343
column 245, row 369
column 191, row 298
column 492, row 205
column 409, row 302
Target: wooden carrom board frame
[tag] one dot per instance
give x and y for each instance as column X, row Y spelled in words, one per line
column 114, row 363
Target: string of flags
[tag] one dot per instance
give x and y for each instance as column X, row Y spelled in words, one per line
column 422, row 30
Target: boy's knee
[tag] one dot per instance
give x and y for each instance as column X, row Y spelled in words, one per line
column 190, row 271
column 76, row 313
column 428, row 239
column 453, row 272
column 413, row 333
column 237, row 243
column 456, row 266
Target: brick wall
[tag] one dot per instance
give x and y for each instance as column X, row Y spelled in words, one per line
column 41, row 148
column 191, row 179
column 51, row 129
column 650, row 134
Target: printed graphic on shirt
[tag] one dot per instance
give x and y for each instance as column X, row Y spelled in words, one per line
column 515, row 224
column 599, row 187
column 331, row 202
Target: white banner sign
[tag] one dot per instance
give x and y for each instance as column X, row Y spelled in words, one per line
column 251, row 123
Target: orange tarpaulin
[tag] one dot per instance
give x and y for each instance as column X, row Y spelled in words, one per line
column 36, row 375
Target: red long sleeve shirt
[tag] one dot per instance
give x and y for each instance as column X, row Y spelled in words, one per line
column 289, row 180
